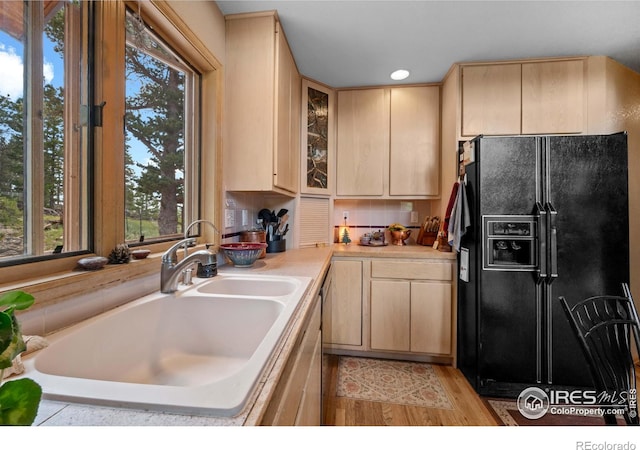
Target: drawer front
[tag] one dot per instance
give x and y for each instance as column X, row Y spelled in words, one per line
column 411, row 270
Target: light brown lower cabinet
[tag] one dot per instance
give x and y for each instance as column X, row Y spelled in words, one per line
column 297, row 399
column 343, row 306
column 310, row 409
column 390, row 312
column 399, row 307
column 411, row 316
column 431, row 317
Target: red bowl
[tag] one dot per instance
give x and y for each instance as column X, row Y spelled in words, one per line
column 243, row 254
column 243, row 246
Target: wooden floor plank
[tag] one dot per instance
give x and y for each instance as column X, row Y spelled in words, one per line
column 468, row 409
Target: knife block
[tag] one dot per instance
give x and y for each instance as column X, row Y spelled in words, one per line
column 428, row 238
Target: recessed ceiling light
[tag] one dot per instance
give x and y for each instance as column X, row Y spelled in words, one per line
column 400, row 74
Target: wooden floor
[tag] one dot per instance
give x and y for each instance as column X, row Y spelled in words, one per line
column 468, row 408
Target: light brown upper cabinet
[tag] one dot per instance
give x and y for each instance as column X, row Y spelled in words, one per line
column 263, row 89
column 388, row 142
column 363, row 142
column 414, row 162
column 318, row 138
column 553, row 97
column 491, row 99
column 523, row 98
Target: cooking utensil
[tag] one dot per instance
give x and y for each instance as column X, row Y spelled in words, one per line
column 283, row 221
column 265, row 215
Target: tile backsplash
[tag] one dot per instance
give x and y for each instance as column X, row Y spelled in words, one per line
column 366, row 216
column 248, row 204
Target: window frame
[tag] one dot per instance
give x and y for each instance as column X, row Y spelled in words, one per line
column 192, row 148
column 77, row 136
column 54, row 280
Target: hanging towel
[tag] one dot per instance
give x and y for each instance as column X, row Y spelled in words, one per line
column 460, row 218
column 452, row 200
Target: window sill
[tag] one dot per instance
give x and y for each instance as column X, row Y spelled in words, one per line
column 70, row 281
column 57, row 287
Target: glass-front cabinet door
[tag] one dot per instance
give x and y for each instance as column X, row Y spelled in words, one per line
column 317, row 138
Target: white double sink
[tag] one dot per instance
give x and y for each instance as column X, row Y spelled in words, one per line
column 201, row 350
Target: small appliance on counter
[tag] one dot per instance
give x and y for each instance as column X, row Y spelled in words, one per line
column 373, row 239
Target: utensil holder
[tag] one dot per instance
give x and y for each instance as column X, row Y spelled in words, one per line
column 277, row 246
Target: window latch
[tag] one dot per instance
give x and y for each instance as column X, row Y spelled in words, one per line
column 97, row 114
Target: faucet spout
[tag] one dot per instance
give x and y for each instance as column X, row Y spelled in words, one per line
column 186, row 230
column 171, row 269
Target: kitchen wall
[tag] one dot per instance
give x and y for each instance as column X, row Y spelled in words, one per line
column 237, row 205
column 366, row 215
column 204, row 20
column 615, row 100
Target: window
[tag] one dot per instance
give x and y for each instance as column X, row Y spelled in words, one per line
column 161, row 124
column 76, row 177
column 44, row 132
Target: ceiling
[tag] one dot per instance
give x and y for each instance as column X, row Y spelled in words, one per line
column 359, row 43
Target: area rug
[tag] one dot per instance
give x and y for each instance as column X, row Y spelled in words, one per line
column 506, row 411
column 398, row 382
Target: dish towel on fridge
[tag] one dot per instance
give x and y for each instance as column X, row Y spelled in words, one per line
column 452, row 200
column 460, row 218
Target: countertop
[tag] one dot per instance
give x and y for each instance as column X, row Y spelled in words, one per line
column 391, row 251
column 308, row 262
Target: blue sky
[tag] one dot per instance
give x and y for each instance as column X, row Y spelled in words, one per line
column 11, row 79
column 11, row 66
column 11, row 76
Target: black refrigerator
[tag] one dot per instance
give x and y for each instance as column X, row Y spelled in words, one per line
column 548, row 218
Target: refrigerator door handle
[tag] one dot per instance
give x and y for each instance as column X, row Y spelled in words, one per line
column 541, row 220
column 552, row 240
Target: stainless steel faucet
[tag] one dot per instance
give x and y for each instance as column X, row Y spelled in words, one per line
column 171, row 269
column 186, row 231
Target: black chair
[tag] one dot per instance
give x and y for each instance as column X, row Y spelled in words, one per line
column 607, row 327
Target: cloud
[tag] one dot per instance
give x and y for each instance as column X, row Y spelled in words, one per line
column 10, row 73
column 47, row 71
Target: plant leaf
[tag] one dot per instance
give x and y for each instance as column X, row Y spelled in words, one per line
column 15, row 299
column 6, row 331
column 19, row 401
column 15, row 344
